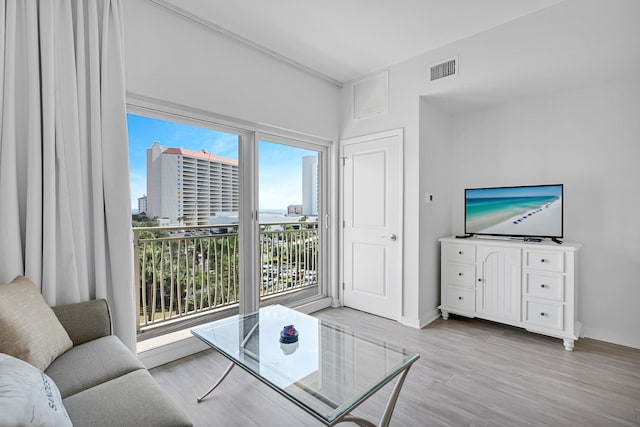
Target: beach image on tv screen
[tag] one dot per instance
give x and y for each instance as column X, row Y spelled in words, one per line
column 515, row 211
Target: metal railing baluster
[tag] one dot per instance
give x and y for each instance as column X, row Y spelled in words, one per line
column 195, row 269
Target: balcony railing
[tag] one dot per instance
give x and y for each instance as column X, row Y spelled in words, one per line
column 185, row 271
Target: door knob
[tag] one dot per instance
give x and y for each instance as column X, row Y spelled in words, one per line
column 391, row 237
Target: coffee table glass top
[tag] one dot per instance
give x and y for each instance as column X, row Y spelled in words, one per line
column 328, row 371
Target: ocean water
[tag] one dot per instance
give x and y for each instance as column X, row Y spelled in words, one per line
column 482, row 209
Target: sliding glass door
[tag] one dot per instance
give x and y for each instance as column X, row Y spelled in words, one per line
column 224, row 219
column 185, row 184
column 290, row 220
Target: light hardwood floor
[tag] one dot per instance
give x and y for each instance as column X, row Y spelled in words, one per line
column 470, row 373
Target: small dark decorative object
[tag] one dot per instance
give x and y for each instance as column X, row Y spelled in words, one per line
column 289, row 335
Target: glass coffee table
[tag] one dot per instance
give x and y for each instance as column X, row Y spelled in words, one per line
column 328, row 372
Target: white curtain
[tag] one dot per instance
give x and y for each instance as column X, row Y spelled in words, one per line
column 65, row 214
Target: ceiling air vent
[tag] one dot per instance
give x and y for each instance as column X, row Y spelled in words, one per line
column 445, row 69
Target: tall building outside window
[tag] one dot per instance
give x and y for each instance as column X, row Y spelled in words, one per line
column 188, row 186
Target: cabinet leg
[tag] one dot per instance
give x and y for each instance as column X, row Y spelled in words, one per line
column 568, row 344
column 445, row 314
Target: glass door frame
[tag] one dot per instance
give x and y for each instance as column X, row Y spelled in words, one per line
column 323, row 151
column 249, row 135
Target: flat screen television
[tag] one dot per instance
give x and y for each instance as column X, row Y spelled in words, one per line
column 525, row 211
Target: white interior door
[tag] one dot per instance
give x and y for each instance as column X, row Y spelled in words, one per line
column 372, row 223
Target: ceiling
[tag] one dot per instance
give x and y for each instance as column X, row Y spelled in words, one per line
column 344, row 40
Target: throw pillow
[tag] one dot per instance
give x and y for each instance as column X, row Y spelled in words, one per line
column 28, row 397
column 29, row 330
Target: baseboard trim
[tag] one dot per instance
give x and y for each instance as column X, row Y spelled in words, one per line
column 410, row 321
column 174, row 350
column 607, row 336
column 313, row 306
column 420, row 322
column 430, row 317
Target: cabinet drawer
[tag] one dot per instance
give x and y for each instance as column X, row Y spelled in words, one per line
column 548, row 316
column 461, row 253
column 548, row 261
column 461, row 274
column 461, row 299
column 544, row 286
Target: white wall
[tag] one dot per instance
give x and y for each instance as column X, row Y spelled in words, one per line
column 588, row 140
column 435, row 217
column 173, row 59
column 403, row 113
column 547, row 66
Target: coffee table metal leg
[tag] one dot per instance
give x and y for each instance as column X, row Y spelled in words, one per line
column 231, row 365
column 391, row 403
column 388, row 410
column 224, row 375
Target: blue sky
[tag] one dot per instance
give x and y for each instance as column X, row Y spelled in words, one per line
column 280, row 166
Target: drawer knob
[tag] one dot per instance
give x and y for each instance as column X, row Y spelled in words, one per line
column 479, row 279
column 460, row 298
column 460, row 252
column 460, row 274
column 543, row 260
column 543, row 285
column 543, row 314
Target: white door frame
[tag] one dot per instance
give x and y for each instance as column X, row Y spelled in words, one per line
column 355, row 140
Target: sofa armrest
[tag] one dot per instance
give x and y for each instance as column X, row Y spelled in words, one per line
column 85, row 321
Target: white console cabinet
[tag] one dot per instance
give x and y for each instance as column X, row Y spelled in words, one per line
column 526, row 284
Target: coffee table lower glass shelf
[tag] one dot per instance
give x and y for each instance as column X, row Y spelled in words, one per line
column 328, row 372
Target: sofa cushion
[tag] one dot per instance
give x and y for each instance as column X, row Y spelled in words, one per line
column 92, row 363
column 134, row 399
column 28, row 397
column 85, row 321
column 29, row 330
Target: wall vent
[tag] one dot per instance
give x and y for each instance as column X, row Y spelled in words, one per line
column 444, row 69
column 371, row 96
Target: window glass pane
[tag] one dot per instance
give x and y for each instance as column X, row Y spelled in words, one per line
column 187, row 173
column 185, row 197
column 289, row 190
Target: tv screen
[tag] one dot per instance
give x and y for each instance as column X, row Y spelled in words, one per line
column 526, row 211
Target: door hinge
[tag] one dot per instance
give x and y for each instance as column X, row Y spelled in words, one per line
column 344, row 224
column 343, row 286
column 344, row 160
